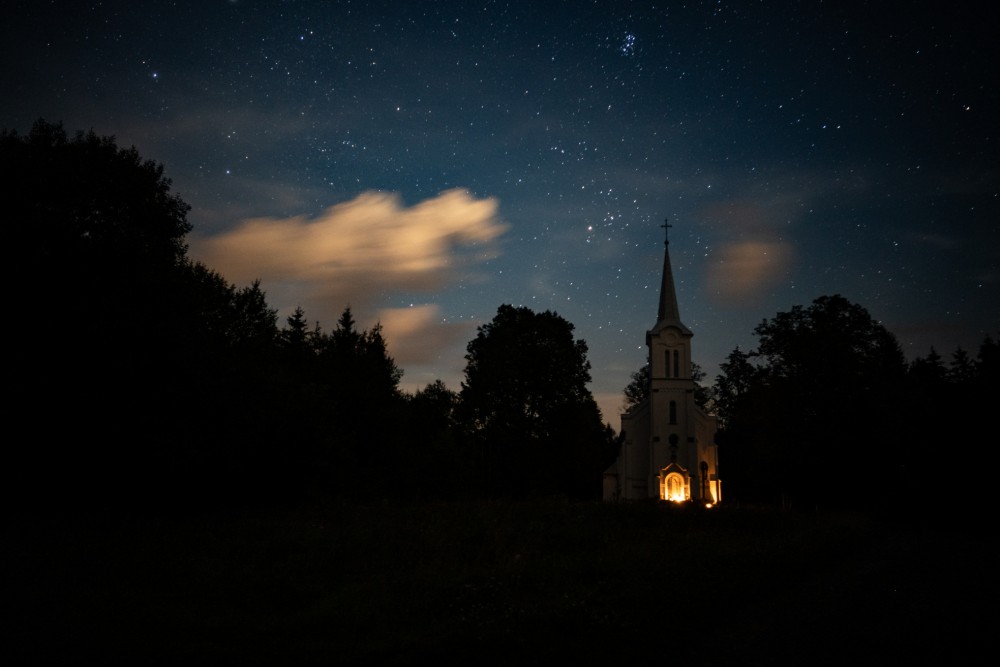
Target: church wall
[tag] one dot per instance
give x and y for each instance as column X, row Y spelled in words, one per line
column 664, row 428
column 634, row 474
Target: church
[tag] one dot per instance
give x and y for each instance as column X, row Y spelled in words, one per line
column 668, row 443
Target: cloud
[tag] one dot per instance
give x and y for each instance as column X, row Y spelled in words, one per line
column 417, row 335
column 741, row 271
column 745, row 270
column 362, row 253
column 371, row 236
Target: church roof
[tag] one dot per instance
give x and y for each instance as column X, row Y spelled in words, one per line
column 669, row 314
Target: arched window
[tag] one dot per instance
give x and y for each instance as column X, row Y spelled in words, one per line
column 673, row 412
column 673, row 488
column 677, row 364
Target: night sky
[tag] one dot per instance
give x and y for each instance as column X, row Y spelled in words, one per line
column 426, row 162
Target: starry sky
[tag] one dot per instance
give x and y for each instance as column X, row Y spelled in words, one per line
column 427, row 162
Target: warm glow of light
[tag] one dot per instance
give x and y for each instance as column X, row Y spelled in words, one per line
column 372, row 236
column 747, row 268
column 674, row 488
column 416, row 334
column 365, row 253
column 360, row 251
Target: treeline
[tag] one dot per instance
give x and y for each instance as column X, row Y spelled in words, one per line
column 826, row 412
column 144, row 380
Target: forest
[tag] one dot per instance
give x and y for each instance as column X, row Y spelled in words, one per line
column 166, row 387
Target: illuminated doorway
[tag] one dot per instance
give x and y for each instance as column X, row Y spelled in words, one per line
column 673, row 488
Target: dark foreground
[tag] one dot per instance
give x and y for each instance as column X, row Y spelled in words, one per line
column 499, row 583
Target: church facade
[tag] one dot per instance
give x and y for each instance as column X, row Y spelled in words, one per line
column 668, row 443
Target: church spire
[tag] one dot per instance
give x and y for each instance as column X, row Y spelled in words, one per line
column 668, row 311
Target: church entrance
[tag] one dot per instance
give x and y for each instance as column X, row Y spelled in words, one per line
column 673, row 488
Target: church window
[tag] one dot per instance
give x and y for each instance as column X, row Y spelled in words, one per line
column 673, row 412
column 677, row 364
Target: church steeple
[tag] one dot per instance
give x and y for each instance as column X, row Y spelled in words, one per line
column 668, row 312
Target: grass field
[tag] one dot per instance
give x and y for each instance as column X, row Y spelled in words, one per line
column 497, row 583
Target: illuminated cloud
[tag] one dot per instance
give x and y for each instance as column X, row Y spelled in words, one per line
column 743, row 271
column 361, row 254
column 417, row 335
column 372, row 237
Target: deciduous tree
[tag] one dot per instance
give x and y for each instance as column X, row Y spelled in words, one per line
column 151, row 374
column 526, row 405
column 816, row 416
column 638, row 387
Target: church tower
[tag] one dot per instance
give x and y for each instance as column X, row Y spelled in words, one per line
column 668, row 448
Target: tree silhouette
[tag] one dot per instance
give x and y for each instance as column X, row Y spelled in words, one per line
column 962, row 368
column 637, row 390
column 364, row 408
column 527, row 409
column 440, row 467
column 294, row 338
column 813, row 413
column 943, row 425
column 154, row 370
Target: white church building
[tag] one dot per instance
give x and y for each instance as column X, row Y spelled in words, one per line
column 668, row 449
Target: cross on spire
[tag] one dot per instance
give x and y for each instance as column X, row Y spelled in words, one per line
column 666, row 227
